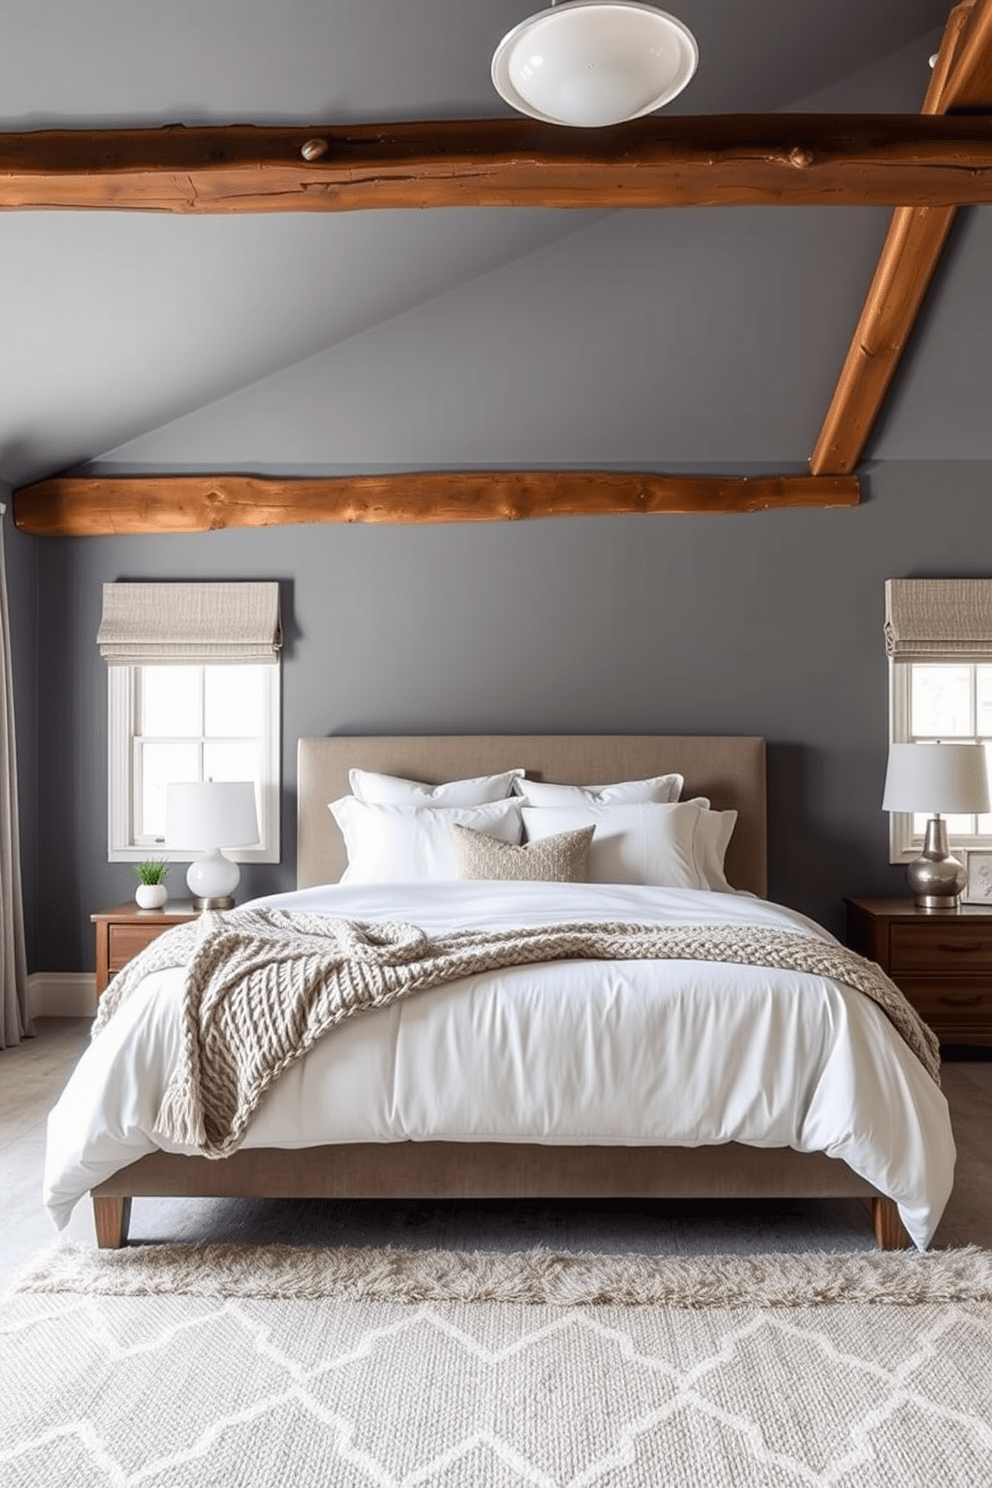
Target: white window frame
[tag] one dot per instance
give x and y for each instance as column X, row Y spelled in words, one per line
column 121, row 730
column 904, row 846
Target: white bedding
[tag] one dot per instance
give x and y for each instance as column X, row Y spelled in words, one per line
column 577, row 1052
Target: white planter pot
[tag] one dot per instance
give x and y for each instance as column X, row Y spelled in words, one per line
column 151, row 896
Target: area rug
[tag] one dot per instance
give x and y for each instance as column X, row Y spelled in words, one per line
column 171, row 1366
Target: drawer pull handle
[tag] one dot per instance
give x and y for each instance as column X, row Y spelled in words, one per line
column 965, row 947
column 960, row 1001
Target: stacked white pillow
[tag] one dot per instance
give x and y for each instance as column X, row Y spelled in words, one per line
column 391, row 790
column 638, row 838
column 643, row 843
column 718, row 828
column 399, row 831
column 617, row 793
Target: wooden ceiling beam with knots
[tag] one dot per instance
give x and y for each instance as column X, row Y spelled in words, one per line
column 688, row 161
column 100, row 506
column 913, row 247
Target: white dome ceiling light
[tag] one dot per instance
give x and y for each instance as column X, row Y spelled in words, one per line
column 588, row 63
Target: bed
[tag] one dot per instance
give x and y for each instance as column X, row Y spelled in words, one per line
column 904, row 1177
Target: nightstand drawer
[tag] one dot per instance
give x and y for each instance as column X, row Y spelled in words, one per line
column 125, row 941
column 954, row 950
column 946, row 1002
column 125, row 930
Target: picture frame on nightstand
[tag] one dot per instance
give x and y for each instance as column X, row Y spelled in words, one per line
column 978, row 889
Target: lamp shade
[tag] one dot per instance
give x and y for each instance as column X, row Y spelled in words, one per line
column 589, row 63
column 936, row 777
column 211, row 813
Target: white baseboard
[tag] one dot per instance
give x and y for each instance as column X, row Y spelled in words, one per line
column 62, row 994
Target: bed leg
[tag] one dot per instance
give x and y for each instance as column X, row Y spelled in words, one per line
column 890, row 1232
column 111, row 1218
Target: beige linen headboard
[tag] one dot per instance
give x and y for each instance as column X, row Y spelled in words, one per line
column 729, row 770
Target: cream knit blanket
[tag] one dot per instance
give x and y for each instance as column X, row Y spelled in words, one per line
column 263, row 985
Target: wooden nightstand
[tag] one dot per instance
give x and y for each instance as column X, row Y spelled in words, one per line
column 125, row 930
column 940, row 958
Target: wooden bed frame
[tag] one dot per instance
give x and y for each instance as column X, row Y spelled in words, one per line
column 731, row 772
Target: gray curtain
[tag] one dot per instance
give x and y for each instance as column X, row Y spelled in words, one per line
column 15, row 1023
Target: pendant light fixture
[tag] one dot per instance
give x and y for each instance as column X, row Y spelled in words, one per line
column 588, row 63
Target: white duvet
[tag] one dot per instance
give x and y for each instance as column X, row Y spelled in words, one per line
column 576, row 1052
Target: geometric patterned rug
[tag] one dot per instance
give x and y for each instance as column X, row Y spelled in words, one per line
column 168, row 1389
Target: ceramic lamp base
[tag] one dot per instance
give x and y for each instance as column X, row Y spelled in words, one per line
column 212, row 880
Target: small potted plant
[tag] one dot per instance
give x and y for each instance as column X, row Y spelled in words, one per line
column 151, row 892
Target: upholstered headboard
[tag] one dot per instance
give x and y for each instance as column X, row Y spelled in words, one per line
column 729, row 770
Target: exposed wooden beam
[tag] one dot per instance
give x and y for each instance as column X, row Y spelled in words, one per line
column 106, row 506
column 962, row 77
column 968, row 84
column 716, row 160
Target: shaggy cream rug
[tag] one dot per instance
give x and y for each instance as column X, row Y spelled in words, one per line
column 170, row 1366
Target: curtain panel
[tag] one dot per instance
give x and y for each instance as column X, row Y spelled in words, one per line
column 15, row 1023
column 190, row 624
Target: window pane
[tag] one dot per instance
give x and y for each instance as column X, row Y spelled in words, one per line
column 157, row 764
column 941, row 702
column 169, row 701
column 985, row 821
column 230, row 759
column 957, row 826
column 983, row 690
column 234, row 697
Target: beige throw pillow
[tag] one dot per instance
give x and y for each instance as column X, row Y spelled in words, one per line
column 563, row 858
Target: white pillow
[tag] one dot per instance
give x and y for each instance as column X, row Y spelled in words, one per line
column 717, row 829
column 648, row 843
column 620, row 793
column 414, row 844
column 391, row 790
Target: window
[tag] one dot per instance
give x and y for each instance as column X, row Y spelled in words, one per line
column 939, row 641
column 178, row 723
column 193, row 692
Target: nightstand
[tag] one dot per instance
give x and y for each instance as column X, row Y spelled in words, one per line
column 940, row 958
column 125, row 930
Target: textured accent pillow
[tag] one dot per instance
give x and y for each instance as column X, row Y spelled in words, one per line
column 563, row 858
column 651, row 843
column 393, row 790
column 620, row 793
column 413, row 844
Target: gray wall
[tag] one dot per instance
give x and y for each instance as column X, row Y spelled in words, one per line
column 22, row 596
column 768, row 624
column 694, row 339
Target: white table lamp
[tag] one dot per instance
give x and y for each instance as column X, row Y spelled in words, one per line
column 211, row 815
column 938, row 779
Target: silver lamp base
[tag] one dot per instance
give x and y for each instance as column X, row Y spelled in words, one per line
column 936, row 878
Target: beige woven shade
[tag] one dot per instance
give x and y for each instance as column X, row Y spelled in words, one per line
column 938, row 619
column 190, row 624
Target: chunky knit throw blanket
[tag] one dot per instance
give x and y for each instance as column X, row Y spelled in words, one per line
column 263, row 985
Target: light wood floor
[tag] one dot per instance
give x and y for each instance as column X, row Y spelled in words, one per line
column 33, row 1073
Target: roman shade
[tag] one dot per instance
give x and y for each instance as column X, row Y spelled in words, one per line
column 938, row 619
column 190, row 624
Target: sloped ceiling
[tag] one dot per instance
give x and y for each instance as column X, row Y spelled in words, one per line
column 118, row 324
